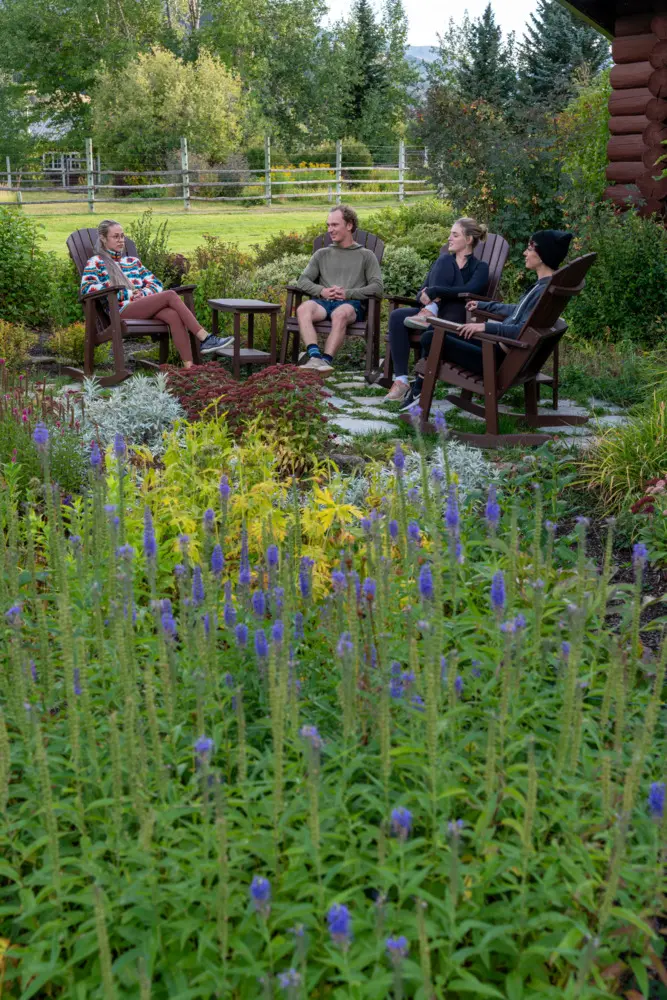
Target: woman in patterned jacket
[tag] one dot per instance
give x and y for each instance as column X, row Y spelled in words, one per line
column 140, row 293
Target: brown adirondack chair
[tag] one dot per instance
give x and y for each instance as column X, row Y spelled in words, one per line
column 493, row 251
column 522, row 364
column 107, row 324
column 369, row 328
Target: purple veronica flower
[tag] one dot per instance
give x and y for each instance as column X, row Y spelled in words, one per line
column 426, row 582
column 290, row 980
column 311, row 736
column 340, row 924
column 396, row 688
column 339, row 580
column 259, row 603
column 452, row 512
column 397, row 948
column 278, row 598
column 298, row 626
column 209, row 520
column 150, row 545
column 440, row 422
column 277, row 632
column 261, row 645
column 77, row 681
column 13, row 616
column 414, row 533
column 95, row 455
column 217, row 561
column 184, row 544
column 443, row 669
column 369, row 588
column 125, row 552
column 40, row 436
column 399, row 460
column 458, row 686
column 656, row 799
column 413, row 497
column 197, row 586
column 119, row 447
column 366, row 524
column 245, row 576
column 168, row 624
column 565, row 649
column 395, row 669
column 229, row 680
column 492, row 510
column 33, row 672
column 520, row 621
column 639, row 555
column 260, row 893
column 224, row 489
column 509, row 628
column 204, row 747
column 206, row 621
column 272, row 555
column 393, row 530
column 241, row 634
column 230, row 615
column 476, row 672
column 345, row 645
column 498, row 591
column 454, row 828
column 418, row 702
column 408, row 678
column 401, row 822
column 305, row 576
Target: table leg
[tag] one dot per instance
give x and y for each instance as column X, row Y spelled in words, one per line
column 216, row 324
column 274, row 337
column 251, row 329
column 236, row 364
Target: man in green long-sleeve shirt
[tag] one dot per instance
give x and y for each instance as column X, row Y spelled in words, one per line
column 340, row 278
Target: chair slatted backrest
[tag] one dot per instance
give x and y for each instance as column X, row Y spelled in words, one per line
column 81, row 246
column 544, row 327
column 364, row 239
column 494, row 251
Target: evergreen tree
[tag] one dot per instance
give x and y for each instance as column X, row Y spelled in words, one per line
column 365, row 63
column 555, row 45
column 486, row 68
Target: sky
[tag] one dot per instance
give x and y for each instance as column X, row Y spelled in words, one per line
column 429, row 17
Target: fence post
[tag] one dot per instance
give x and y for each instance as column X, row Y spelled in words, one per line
column 339, row 164
column 90, row 171
column 63, row 170
column 9, row 172
column 401, row 170
column 425, row 157
column 267, row 169
column 185, row 173
column 99, row 170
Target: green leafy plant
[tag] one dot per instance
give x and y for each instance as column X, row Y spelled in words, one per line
column 284, row 244
column 24, row 274
column 141, row 409
column 426, row 240
column 152, row 242
column 403, row 270
column 67, row 343
column 217, row 269
column 15, row 341
column 64, row 289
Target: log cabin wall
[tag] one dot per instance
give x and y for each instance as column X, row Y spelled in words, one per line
column 638, row 108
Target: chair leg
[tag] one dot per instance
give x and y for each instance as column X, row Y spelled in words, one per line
column 370, row 338
column 431, row 374
column 490, row 388
column 554, row 386
column 89, row 350
column 530, row 391
column 164, row 350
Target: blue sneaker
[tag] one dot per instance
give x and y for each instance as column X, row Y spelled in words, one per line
column 214, row 344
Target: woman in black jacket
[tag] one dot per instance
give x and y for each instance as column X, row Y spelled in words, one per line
column 456, row 270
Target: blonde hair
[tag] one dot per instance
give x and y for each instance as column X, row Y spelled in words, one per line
column 471, row 227
column 116, row 274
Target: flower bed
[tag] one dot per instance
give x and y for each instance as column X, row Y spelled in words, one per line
column 431, row 772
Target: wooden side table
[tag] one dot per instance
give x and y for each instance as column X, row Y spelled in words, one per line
column 247, row 355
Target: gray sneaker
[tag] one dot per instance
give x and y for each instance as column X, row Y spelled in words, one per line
column 214, row 344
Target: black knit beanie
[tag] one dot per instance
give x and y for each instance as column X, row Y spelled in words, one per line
column 552, row 245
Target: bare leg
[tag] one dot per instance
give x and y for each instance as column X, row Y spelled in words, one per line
column 341, row 318
column 179, row 334
column 309, row 312
column 148, row 306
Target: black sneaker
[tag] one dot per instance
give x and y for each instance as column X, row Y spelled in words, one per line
column 411, row 398
column 214, row 344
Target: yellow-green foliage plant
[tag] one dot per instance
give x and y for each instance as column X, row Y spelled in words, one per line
column 15, row 342
column 67, row 343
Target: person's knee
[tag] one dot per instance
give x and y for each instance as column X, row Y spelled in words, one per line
column 343, row 315
column 305, row 310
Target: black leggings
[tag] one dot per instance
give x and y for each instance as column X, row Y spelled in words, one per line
column 399, row 333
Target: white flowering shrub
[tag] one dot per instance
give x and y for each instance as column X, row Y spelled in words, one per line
column 141, row 409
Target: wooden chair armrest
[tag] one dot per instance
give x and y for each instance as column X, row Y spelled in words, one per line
column 478, row 298
column 103, row 293
column 445, row 324
column 179, row 289
column 295, row 288
column 484, row 314
column 403, row 300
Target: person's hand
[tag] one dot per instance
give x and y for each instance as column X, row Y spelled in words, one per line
column 423, row 297
column 338, row 292
column 471, row 330
column 472, row 306
column 135, row 294
column 328, row 293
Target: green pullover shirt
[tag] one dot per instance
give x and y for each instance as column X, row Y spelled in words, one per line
column 353, row 268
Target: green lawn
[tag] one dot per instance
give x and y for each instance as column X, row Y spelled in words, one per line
column 241, row 225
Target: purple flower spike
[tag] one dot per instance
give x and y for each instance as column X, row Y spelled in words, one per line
column 272, row 555
column 369, row 589
column 458, row 686
column 95, row 455
column 656, row 799
column 396, row 688
column 298, row 626
column 241, row 633
column 168, row 624
column 224, row 489
column 204, row 747
column 340, row 925
column 40, row 436
column 217, row 561
column 197, row 586
column 259, row 603
column 393, row 530
column 230, row 615
column 260, row 893
column 426, row 582
column 261, row 645
column 184, row 544
column 77, row 681
column 440, row 422
column 277, row 632
column 150, row 545
column 455, row 827
column 338, row 580
column 13, row 616
column 639, row 555
column 311, row 736
column 498, row 591
column 305, row 574
column 397, row 948
column 452, row 513
column 399, row 460
column 401, row 822
column 209, row 520
column 414, row 533
column 119, row 447
column 492, row 510
column 290, row 980
column 345, row 645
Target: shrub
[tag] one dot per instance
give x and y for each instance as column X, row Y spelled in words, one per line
column 626, row 289
column 391, row 224
column 426, row 239
column 651, row 512
column 64, row 287
column 583, row 134
column 24, row 270
column 141, row 409
column 623, row 460
column 152, row 242
column 284, row 244
column 67, row 344
column 217, row 268
column 15, row 342
column 403, row 271
column 287, row 399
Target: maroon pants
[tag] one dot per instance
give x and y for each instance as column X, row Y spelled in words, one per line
column 170, row 308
